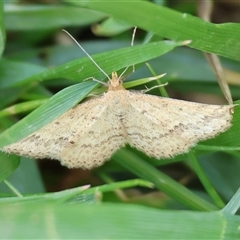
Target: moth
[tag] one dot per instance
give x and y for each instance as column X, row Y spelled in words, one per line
column 89, row 134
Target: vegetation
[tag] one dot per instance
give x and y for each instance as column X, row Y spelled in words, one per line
column 193, row 196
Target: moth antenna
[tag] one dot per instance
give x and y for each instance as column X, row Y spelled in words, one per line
column 88, row 55
column 123, row 72
column 132, row 43
column 133, row 35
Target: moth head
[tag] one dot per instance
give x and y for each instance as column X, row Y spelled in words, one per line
column 115, row 83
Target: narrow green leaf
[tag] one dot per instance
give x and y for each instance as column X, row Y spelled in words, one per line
column 234, row 204
column 76, row 193
column 111, row 27
column 11, row 72
column 26, row 179
column 2, row 29
column 222, row 169
column 22, row 107
column 7, row 165
column 204, row 179
column 52, row 109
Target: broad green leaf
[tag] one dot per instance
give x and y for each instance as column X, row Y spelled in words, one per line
column 221, row 39
column 112, row 221
column 42, row 17
column 80, row 69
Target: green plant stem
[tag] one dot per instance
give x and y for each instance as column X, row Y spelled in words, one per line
column 146, row 171
column 205, row 181
column 14, row 190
